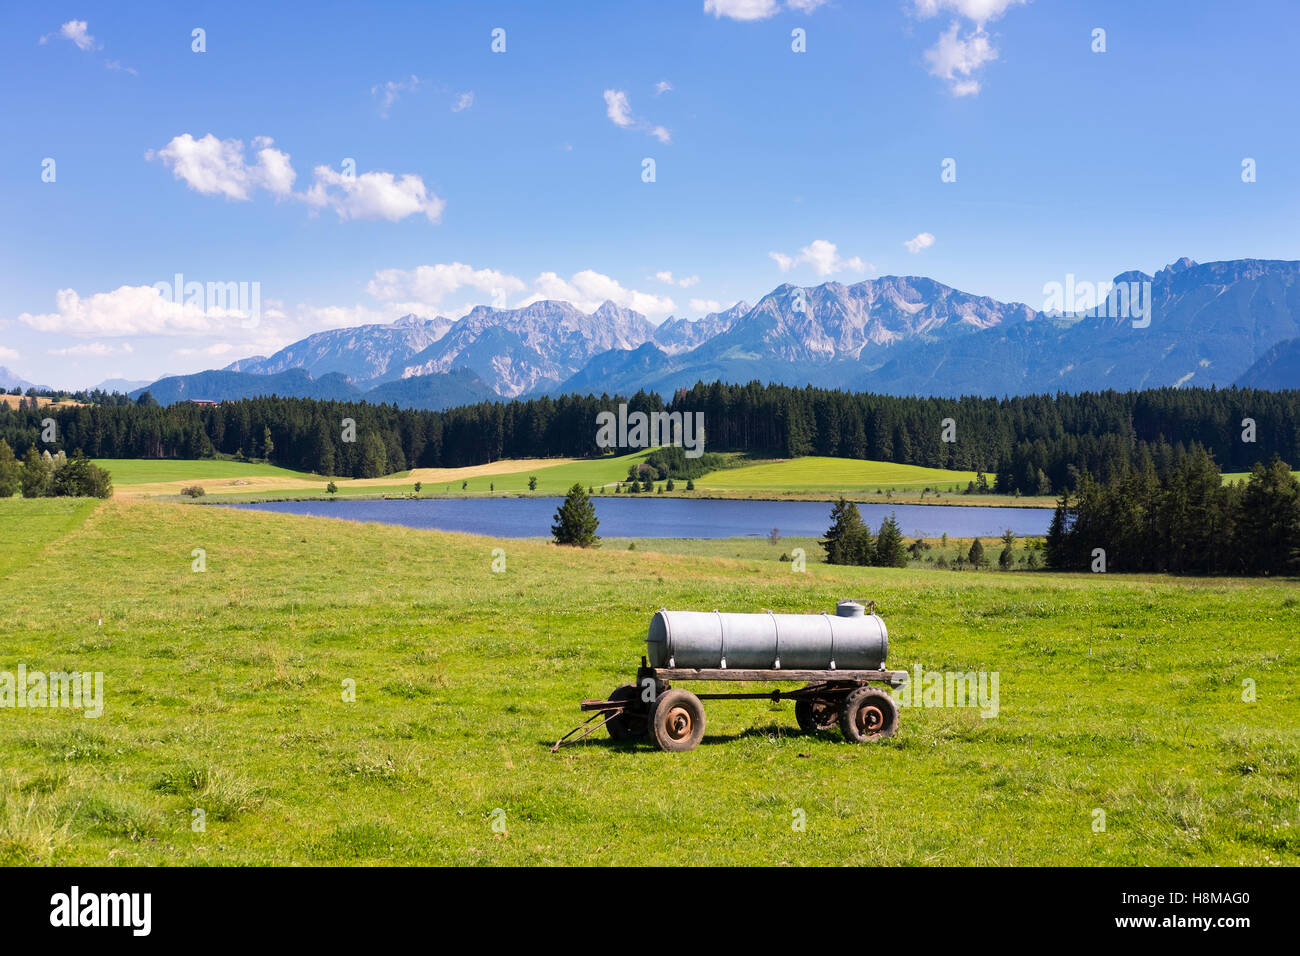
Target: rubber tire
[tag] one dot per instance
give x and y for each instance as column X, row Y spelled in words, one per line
column 805, row 717
column 629, row 725
column 868, row 697
column 685, row 704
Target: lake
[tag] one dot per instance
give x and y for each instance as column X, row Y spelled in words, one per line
column 652, row 517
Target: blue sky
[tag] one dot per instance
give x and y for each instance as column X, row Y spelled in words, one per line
column 517, row 175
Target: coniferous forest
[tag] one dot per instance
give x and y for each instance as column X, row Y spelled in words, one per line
column 1040, row 444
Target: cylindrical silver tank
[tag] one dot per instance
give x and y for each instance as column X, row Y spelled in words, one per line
column 849, row 639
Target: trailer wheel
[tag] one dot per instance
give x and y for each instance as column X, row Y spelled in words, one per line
column 868, row 714
column 631, row 723
column 815, row 715
column 677, row 723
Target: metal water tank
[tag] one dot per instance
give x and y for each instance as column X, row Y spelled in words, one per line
column 849, row 639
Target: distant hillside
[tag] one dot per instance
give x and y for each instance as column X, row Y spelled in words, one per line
column 10, row 379
column 1278, row 368
column 460, row 386
column 218, row 385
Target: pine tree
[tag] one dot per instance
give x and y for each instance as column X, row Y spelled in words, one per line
column 889, row 550
column 976, row 554
column 575, row 521
column 1268, row 528
column 10, row 471
column 848, row 540
column 35, row 478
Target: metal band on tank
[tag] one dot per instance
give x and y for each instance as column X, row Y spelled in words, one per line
column 722, row 638
column 776, row 630
column 831, row 627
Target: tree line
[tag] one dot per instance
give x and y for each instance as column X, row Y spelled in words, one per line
column 1185, row 522
column 1038, row 444
column 42, row 475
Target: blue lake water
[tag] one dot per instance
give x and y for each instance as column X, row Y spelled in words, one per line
column 651, row 517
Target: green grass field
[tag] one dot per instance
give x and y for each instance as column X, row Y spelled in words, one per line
column 133, row 471
column 224, row 693
column 834, row 475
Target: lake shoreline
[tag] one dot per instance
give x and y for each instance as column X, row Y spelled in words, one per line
column 977, row 501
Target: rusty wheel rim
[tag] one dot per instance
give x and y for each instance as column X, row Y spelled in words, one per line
column 870, row 718
column 678, row 723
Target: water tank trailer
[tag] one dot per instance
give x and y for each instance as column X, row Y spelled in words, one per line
column 839, row 655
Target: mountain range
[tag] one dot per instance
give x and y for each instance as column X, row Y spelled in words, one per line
column 1217, row 323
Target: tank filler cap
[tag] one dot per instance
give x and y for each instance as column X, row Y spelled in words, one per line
column 849, row 609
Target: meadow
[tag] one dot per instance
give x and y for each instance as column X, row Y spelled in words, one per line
column 225, row 689
column 799, row 478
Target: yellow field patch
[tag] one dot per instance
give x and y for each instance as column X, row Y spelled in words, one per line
column 266, row 483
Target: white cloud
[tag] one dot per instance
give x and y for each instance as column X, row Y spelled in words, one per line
column 78, row 32
column 463, row 102
column 667, row 278
column 742, row 9
column 957, row 59
column 588, row 289
column 130, row 310
column 373, row 195
column 705, row 306
column 663, row 86
column 428, row 285
column 980, row 11
column 757, row 9
column 96, row 349
column 922, row 240
column 217, row 166
column 617, row 108
column 9, row 354
column 824, row 258
column 390, row 92
column 619, row 111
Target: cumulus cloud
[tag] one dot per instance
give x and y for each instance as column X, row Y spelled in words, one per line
column 619, row 110
column 824, row 258
column 390, row 92
column 705, row 306
column 130, row 310
column 218, row 166
column 667, row 278
column 663, row 86
column 742, row 9
column 373, row 195
column 7, row 353
column 922, row 240
column 588, row 289
column 957, row 57
column 430, row 284
column 757, row 9
column 78, row 31
column 980, row 11
column 463, row 102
